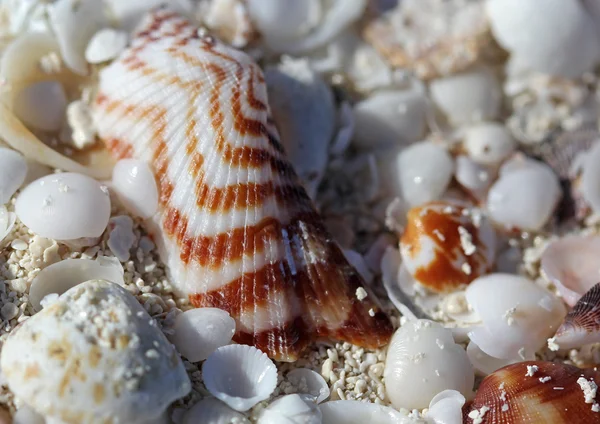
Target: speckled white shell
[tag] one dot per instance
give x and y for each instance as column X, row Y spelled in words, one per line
column 135, row 185
column 93, row 355
column 13, row 170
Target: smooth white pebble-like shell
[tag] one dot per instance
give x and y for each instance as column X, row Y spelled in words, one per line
column 105, row 45
column 42, row 105
column 64, row 206
column 13, row 170
column 488, row 143
column 213, row 411
column 199, row 332
column 423, row 360
column 291, row 409
column 357, row 412
column 310, row 383
column 474, row 177
column 239, row 375
column 136, row 188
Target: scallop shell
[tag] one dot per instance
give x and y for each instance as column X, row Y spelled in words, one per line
column 239, row 375
column 235, row 227
column 213, row 411
column 13, row 170
column 582, row 324
column 291, row 409
column 446, row 245
column 309, row 383
column 513, row 396
column 357, row 412
column 136, row 188
column 73, row 361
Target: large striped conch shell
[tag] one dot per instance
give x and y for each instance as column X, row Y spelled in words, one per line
column 234, row 225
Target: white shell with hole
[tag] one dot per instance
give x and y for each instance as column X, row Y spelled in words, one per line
column 310, row 383
column 135, row 185
column 291, row 409
column 13, row 170
column 213, row 411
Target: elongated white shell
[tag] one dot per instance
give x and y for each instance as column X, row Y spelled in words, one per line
column 423, row 360
column 64, row 207
column 309, row 383
column 73, row 361
column 291, row 409
column 13, row 170
column 135, row 185
column 213, row 411
column 61, row 276
column 357, row 412
column 239, row 375
column 199, row 332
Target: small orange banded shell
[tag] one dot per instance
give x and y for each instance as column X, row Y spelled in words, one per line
column 536, row 392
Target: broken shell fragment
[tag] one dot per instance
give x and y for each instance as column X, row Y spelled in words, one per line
column 582, row 324
column 483, row 363
column 309, row 383
column 213, row 411
column 73, row 361
column 136, row 188
column 239, row 375
column 447, row 245
column 291, row 409
column 13, row 170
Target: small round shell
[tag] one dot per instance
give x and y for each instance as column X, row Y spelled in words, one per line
column 291, row 409
column 213, row 411
column 13, row 170
column 357, row 412
column 239, row 375
column 64, row 206
column 488, row 143
column 199, row 332
column 309, row 383
column 136, row 188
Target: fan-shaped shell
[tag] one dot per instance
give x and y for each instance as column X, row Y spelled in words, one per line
column 582, row 324
column 535, row 392
column 235, row 227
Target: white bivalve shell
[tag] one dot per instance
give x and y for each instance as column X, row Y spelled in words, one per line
column 42, row 105
column 590, row 178
column 524, row 198
column 358, row 412
column 446, row 408
column 425, row 170
column 64, row 206
column 467, row 97
column 105, row 45
column 239, row 375
column 213, row 411
column 518, row 315
column 291, row 409
column 136, row 188
column 488, row 143
column 534, row 35
column 309, row 383
column 13, row 170
column 423, row 360
column 199, row 332
column 74, row 360
column 61, row 276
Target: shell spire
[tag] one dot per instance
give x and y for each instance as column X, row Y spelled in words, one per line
column 235, row 227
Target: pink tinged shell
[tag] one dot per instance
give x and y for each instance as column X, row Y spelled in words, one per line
column 571, row 264
column 582, row 324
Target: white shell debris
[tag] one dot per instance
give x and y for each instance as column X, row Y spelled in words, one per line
column 425, row 170
column 42, row 105
column 309, row 383
column 446, row 408
column 518, row 315
column 62, row 276
column 525, row 198
column 94, row 355
column 199, row 332
column 105, row 45
column 136, row 188
column 423, row 360
column 64, row 206
column 290, row 409
column 81, row 122
column 213, row 411
column 468, row 97
column 488, row 143
column 121, row 237
column 534, row 35
column 357, row 412
column 590, row 178
column 13, row 170
column 7, row 222
column 239, row 375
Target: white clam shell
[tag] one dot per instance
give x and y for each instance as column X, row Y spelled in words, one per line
column 199, row 332
column 7, row 222
column 357, row 412
column 42, row 105
column 483, row 363
column 590, row 178
column 239, row 375
column 64, row 206
column 13, row 170
column 309, row 382
column 518, row 315
column 488, row 143
column 524, row 199
column 62, row 276
column 136, row 188
column 446, row 408
column 425, row 170
column 213, row 411
column 74, row 359
column 291, row 409
column 423, row 360
column 467, row 97
column 105, row 45
column 536, row 35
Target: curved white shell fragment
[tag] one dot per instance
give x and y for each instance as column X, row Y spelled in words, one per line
column 310, row 383
column 483, row 363
column 582, row 324
column 73, row 361
column 213, row 411
column 7, row 222
column 291, row 409
column 488, row 143
column 571, row 264
column 239, row 375
column 517, row 319
column 524, row 199
column 446, row 408
column 357, row 412
column 475, row 178
column 64, row 206
column 199, row 332
column 467, row 97
column 425, row 170
column 42, row 105
column 105, row 45
column 20, row 62
column 590, row 178
column 13, row 170
column 423, row 360
column 136, row 188
column 62, row 276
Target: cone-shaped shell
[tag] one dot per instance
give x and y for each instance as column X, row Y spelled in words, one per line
column 234, row 225
column 582, row 324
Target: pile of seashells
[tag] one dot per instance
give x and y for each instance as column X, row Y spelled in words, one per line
column 299, row 211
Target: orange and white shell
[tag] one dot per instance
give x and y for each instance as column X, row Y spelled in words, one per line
column 235, row 227
column 446, row 245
